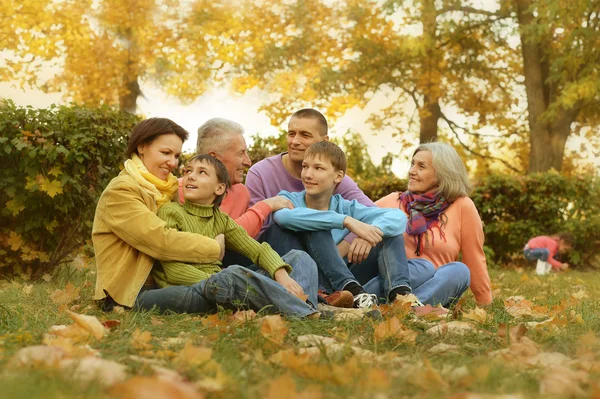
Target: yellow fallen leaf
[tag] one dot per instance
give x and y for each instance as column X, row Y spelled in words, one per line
column 37, row 357
column 284, row 386
column 479, row 315
column 452, row 327
column 90, row 324
column 191, row 356
column 147, row 387
column 27, row 289
column 242, row 316
column 563, row 382
column 66, row 296
column 141, row 340
column 274, row 328
column 105, row 372
column 393, row 329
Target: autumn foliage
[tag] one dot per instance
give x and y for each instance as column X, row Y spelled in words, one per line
column 56, row 162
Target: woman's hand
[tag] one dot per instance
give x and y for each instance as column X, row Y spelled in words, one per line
column 221, row 240
column 278, row 202
column 369, row 233
column 359, row 250
column 283, row 278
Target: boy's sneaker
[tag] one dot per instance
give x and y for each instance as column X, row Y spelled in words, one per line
column 340, row 299
column 365, row 300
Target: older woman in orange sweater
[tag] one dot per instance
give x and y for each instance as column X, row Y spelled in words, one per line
column 442, row 223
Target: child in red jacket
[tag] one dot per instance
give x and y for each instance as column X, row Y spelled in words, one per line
column 545, row 248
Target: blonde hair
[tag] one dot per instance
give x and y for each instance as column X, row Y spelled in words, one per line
column 450, row 171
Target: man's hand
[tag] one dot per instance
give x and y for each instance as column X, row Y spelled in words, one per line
column 343, row 248
column 283, row 278
column 221, row 240
column 278, row 202
column 369, row 233
column 359, row 250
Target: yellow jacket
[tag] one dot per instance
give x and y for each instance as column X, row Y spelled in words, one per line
column 128, row 236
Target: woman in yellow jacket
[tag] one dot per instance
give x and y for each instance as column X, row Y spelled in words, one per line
column 128, row 236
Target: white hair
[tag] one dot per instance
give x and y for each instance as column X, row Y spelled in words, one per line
column 450, row 171
column 214, row 134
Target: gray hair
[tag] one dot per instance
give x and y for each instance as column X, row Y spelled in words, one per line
column 213, row 135
column 453, row 180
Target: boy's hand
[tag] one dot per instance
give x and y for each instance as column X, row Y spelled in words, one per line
column 221, row 240
column 359, row 250
column 564, row 266
column 278, row 202
column 283, row 278
column 369, row 233
column 343, row 248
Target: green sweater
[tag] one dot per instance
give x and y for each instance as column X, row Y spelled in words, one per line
column 209, row 222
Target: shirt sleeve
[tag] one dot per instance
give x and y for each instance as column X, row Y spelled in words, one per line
column 255, row 187
column 254, row 218
column 391, row 222
column 306, row 219
column 472, row 238
column 238, row 240
column 129, row 218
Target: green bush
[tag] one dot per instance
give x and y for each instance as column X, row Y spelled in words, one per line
column 517, row 208
column 55, row 164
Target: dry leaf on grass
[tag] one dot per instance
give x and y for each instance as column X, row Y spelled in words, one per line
column 443, row 348
column 243, row 316
column 285, row 387
column 90, row 324
column 141, row 340
column 393, row 329
column 146, row 387
column 316, row 340
column 479, row 315
column 156, row 321
column 518, row 307
column 473, row 395
column 452, row 327
column 27, row 288
column 563, row 382
column 511, row 334
column 274, row 328
column 427, row 378
column 39, row 356
column 66, row 296
column 69, row 346
column 191, row 356
column 105, row 372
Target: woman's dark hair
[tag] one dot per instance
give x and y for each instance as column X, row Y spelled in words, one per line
column 148, row 130
column 220, row 170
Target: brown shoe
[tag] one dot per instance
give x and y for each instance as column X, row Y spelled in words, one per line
column 340, row 299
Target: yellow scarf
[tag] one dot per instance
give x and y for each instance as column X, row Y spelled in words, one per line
column 161, row 190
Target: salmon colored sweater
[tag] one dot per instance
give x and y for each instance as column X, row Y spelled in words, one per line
column 464, row 235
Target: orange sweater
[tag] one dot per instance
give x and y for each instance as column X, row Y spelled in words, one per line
column 464, row 234
column 235, row 204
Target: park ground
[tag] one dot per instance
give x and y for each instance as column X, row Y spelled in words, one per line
column 539, row 339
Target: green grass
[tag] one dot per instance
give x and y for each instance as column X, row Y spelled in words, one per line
column 242, row 360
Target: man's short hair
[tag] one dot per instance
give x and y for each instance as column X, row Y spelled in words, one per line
column 328, row 150
column 214, row 134
column 220, row 170
column 310, row 113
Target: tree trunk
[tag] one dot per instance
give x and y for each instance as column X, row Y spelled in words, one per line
column 128, row 101
column 547, row 137
column 429, row 114
column 430, row 79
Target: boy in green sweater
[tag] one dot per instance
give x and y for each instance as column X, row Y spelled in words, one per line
column 205, row 182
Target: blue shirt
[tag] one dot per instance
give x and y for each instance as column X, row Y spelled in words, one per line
column 390, row 221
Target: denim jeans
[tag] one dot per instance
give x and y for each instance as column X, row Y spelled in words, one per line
column 537, row 253
column 304, row 272
column 233, row 288
column 442, row 286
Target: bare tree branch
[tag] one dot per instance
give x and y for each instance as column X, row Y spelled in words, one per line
column 453, row 126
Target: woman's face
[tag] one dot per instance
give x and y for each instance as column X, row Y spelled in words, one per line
column 161, row 156
column 421, row 175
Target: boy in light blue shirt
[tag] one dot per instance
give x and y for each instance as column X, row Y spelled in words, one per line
column 379, row 257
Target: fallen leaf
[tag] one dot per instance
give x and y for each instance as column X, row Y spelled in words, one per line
column 479, row 315
column 563, row 382
column 518, row 307
column 274, row 328
column 548, row 359
column 316, row 340
column 90, row 324
column 27, row 289
column 36, row 357
column 191, row 356
column 66, row 296
column 111, row 323
column 141, row 340
column 146, row 387
column 443, row 348
column 427, row 378
column 106, row 372
column 512, row 334
column 452, row 327
column 155, row 321
column 243, row 316
column 119, row 310
column 393, row 329
column 284, row 386
column 47, row 277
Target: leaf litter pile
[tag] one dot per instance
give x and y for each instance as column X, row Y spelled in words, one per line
column 540, row 338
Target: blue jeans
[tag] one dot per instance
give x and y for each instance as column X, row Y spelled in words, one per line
column 386, row 262
column 537, row 253
column 304, row 272
column 442, row 286
column 233, row 288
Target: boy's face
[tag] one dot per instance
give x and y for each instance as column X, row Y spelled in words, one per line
column 319, row 176
column 200, row 183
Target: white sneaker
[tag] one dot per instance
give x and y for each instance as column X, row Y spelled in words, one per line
column 365, row 300
column 542, row 267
